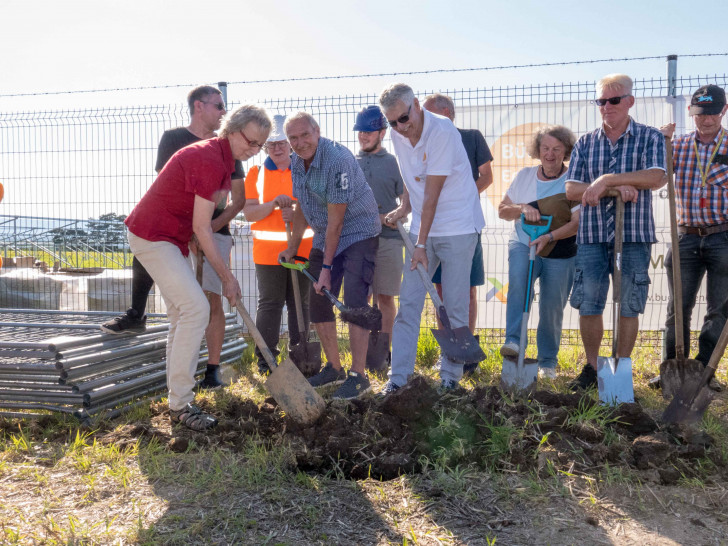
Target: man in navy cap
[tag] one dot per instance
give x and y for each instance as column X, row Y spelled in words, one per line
column 701, row 186
column 382, row 173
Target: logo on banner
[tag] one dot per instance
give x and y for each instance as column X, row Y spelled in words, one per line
column 499, row 291
column 509, row 157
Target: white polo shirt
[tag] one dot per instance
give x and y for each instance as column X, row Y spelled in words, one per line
column 440, row 152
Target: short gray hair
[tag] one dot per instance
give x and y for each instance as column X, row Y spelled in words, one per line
column 298, row 116
column 559, row 132
column 442, row 101
column 396, row 92
column 238, row 119
column 611, row 81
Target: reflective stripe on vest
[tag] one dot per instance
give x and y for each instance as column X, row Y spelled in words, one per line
column 271, row 235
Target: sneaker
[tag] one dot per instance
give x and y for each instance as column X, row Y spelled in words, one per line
column 193, row 417
column 129, row 323
column 388, row 388
column 212, row 378
column 547, row 373
column 715, row 385
column 354, row 386
column 328, row 376
column 447, row 385
column 509, row 350
column 586, row 379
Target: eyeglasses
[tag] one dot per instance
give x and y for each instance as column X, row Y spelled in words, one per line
column 250, row 142
column 613, row 100
column 275, row 144
column 404, row 118
column 220, row 106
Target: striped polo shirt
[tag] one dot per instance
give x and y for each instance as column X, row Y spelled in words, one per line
column 639, row 148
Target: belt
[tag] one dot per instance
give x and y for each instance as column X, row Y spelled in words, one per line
column 703, row 231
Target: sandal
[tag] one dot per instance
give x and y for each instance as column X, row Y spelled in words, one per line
column 193, row 417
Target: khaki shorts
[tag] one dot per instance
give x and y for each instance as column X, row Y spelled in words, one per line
column 388, row 269
column 210, row 280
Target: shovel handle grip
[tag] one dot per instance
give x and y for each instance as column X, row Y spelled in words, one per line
column 676, row 272
column 257, row 336
column 421, row 270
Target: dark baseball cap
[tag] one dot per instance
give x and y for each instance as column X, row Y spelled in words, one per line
column 709, row 99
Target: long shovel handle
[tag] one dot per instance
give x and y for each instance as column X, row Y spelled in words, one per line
column 340, row 306
column 617, row 289
column 718, row 352
column 259, row 341
column 676, row 273
column 296, row 292
column 200, row 261
column 425, row 278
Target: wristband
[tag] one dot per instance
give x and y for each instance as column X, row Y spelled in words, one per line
column 327, row 267
column 551, row 236
column 420, row 245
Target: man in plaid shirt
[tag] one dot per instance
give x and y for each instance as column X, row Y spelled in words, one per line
column 701, row 187
column 629, row 157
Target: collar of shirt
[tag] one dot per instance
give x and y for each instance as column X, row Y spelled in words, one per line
column 380, row 153
column 271, row 165
column 715, row 140
column 297, row 161
column 629, row 130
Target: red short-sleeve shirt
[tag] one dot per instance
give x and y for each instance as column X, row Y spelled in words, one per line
column 165, row 211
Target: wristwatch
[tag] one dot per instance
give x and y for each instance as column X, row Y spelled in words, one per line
column 420, row 245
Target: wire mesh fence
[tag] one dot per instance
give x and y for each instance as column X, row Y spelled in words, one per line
column 72, row 176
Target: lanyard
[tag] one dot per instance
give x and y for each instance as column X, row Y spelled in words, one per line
column 704, row 172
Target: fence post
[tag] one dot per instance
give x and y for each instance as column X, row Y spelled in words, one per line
column 222, row 86
column 672, row 76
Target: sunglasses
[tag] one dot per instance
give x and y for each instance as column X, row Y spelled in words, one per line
column 613, row 101
column 250, row 142
column 404, row 118
column 220, row 106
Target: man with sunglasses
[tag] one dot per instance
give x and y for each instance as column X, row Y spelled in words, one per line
column 446, row 221
column 701, row 187
column 269, row 205
column 207, row 109
column 336, row 201
column 628, row 157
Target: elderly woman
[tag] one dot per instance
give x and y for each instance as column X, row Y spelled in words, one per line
column 534, row 192
column 180, row 203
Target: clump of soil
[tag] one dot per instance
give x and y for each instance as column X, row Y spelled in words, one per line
column 383, row 437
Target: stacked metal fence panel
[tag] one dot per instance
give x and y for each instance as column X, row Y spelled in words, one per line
column 61, row 361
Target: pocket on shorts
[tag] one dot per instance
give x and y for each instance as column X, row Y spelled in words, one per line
column 638, row 297
column 577, row 291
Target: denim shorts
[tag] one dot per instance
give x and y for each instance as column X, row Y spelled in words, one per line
column 594, row 264
column 354, row 266
column 477, row 269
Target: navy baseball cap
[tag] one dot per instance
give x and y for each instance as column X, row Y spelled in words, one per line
column 708, row 100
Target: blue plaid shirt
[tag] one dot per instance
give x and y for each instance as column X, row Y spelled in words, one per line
column 639, row 148
column 335, row 177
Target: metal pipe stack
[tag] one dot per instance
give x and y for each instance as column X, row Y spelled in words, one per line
column 61, row 361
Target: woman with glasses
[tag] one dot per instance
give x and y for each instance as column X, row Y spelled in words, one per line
column 178, row 205
column 535, row 192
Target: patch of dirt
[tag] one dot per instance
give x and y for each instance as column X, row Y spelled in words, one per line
column 386, row 437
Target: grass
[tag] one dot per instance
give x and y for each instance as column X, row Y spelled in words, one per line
column 65, row 485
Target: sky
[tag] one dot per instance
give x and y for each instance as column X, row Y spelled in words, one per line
column 50, row 45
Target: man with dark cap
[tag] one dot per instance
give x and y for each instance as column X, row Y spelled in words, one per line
column 701, row 187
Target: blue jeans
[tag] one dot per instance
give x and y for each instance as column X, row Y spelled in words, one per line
column 556, row 277
column 698, row 256
column 452, row 252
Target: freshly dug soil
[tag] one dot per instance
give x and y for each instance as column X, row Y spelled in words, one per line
column 383, row 437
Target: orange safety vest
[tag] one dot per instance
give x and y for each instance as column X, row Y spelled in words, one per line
column 269, row 234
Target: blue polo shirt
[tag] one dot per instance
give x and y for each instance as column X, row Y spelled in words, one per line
column 334, row 177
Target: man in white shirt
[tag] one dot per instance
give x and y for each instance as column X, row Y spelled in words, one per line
column 446, row 220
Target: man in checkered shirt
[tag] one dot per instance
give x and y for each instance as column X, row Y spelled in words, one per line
column 701, row 186
column 335, row 199
column 629, row 157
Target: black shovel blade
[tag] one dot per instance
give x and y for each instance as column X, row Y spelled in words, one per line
column 689, row 404
column 377, row 351
column 307, row 357
column 673, row 374
column 365, row 317
column 459, row 345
